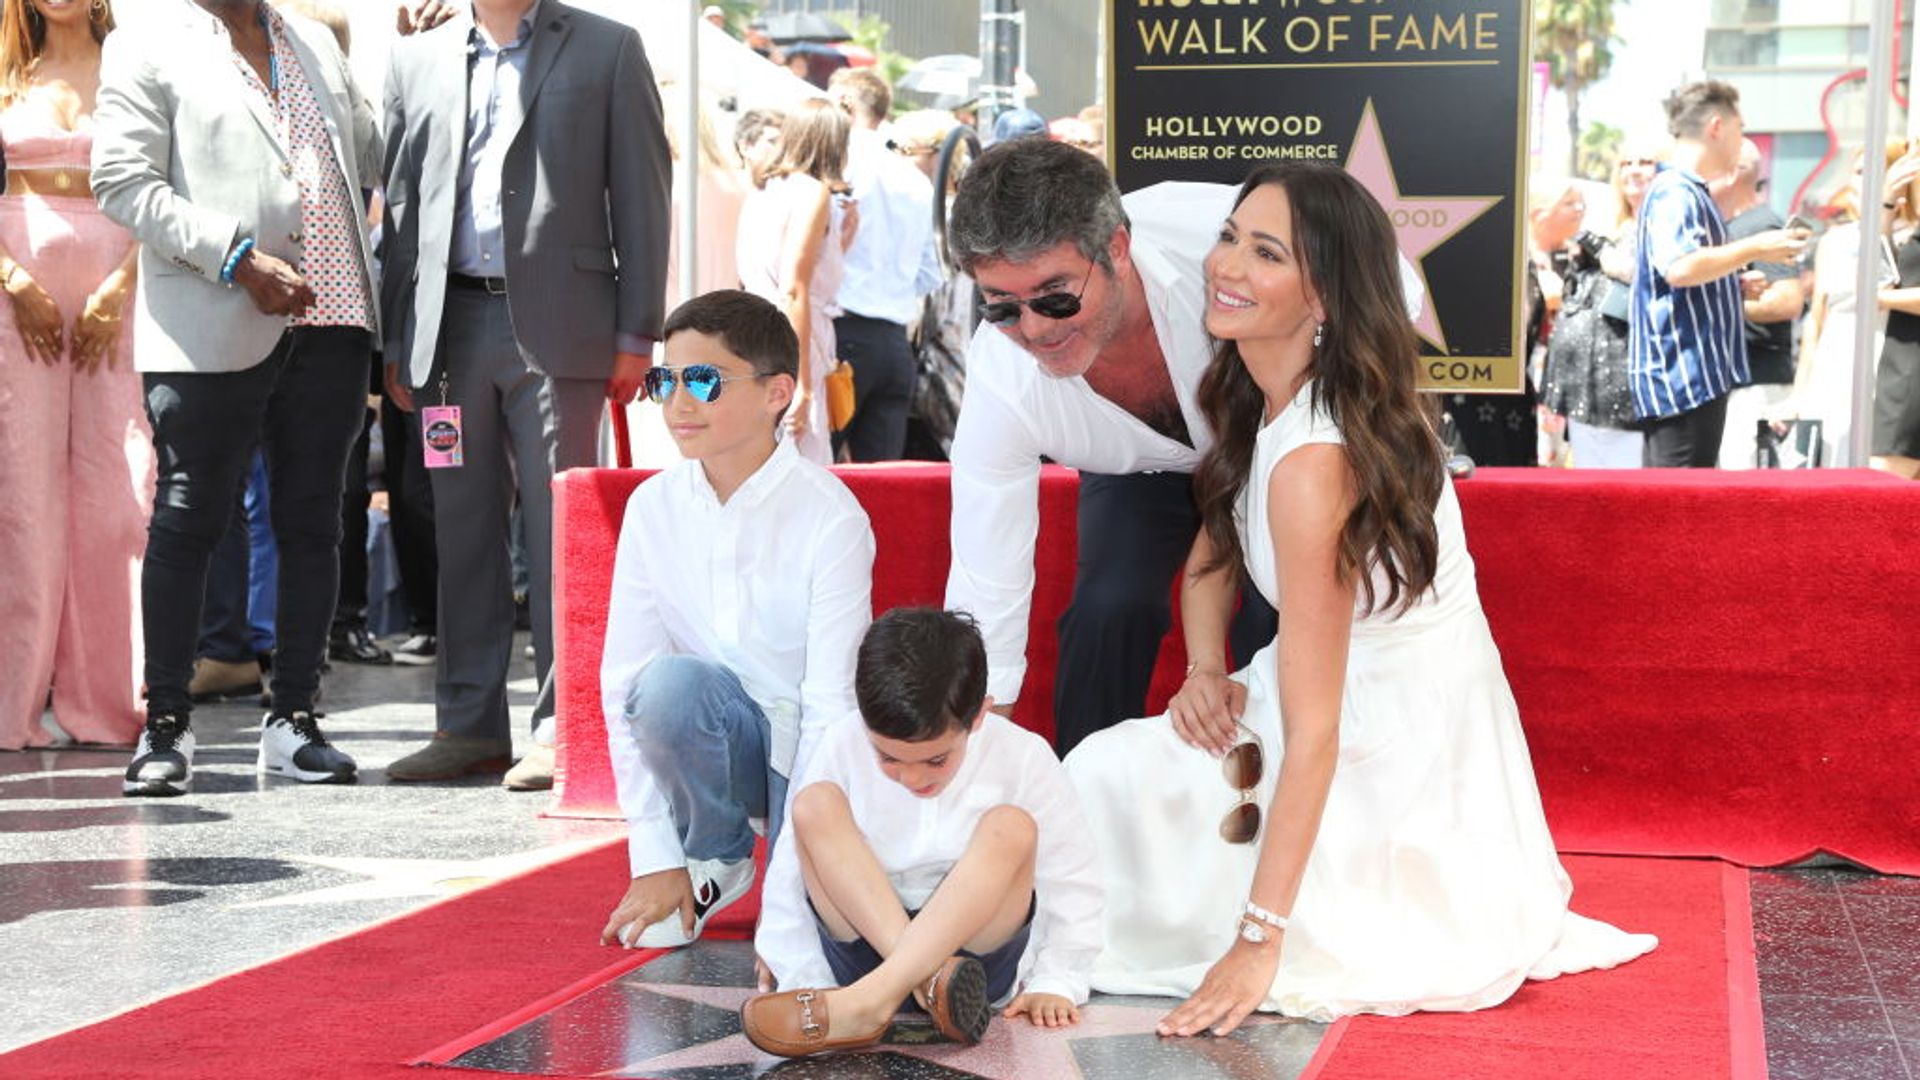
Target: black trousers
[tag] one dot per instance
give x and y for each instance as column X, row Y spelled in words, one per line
column 303, row 404
column 410, row 508
column 1135, row 534
column 1690, row 440
column 883, row 376
column 350, row 611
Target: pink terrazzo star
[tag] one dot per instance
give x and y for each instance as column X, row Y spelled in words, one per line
column 1010, row 1050
column 1420, row 223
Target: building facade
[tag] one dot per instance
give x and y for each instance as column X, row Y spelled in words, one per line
column 1791, row 60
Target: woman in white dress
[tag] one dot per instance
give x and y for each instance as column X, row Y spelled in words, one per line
column 791, row 249
column 1350, row 823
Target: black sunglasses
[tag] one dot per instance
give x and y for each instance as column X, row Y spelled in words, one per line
column 702, row 382
column 1057, row 305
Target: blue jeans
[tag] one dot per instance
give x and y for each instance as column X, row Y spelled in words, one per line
column 706, row 743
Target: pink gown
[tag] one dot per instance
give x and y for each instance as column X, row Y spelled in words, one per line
column 76, row 472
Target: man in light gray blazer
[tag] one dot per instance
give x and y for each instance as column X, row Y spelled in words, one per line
column 232, row 142
column 526, row 244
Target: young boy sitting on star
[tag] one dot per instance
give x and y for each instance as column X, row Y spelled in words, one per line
column 937, row 851
column 741, row 587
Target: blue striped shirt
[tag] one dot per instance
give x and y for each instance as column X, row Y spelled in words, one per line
column 1686, row 346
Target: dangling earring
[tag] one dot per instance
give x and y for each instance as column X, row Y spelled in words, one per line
column 98, row 8
column 1319, row 334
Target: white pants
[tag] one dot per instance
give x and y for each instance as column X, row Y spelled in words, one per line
column 1746, row 407
column 1604, row 448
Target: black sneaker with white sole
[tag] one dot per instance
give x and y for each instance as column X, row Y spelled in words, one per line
column 292, row 745
column 163, row 759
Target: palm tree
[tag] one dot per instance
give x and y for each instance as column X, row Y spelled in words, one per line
column 1599, row 149
column 1575, row 39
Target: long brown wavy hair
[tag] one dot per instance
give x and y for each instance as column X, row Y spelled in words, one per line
column 1363, row 378
column 23, row 33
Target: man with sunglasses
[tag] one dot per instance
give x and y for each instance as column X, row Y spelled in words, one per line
column 1091, row 356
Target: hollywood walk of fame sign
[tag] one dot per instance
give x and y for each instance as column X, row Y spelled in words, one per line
column 1423, row 100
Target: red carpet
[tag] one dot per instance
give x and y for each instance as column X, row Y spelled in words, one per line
column 365, row 1005
column 1688, row 1009
column 1707, row 663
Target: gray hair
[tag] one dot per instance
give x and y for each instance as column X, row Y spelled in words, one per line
column 1024, row 196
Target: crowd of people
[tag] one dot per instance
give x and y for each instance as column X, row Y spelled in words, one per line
column 1231, row 370
column 1680, row 321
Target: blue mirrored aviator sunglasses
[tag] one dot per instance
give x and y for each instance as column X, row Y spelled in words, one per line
column 702, row 382
column 1056, row 305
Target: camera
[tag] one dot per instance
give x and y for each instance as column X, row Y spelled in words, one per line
column 1587, row 245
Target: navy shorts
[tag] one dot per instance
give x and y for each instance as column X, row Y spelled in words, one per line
column 852, row 959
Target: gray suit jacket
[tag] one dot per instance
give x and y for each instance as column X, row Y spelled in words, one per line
column 584, row 193
column 189, row 161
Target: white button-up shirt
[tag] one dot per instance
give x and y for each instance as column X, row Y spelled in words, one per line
column 917, row 841
column 892, row 262
column 776, row 584
column 1013, row 414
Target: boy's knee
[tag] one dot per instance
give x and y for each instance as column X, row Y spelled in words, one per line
column 1009, row 825
column 816, row 806
column 657, row 702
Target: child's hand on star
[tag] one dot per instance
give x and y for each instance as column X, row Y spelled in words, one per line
column 1044, row 1010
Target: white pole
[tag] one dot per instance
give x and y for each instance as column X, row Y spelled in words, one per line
column 1873, row 178
column 689, row 164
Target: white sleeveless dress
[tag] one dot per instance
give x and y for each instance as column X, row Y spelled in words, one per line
column 760, row 253
column 1433, row 883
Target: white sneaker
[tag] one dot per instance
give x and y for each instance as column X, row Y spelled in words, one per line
column 293, row 746
column 715, row 885
column 163, row 760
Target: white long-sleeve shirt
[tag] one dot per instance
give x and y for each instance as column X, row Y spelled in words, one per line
column 917, row 841
column 1013, row 415
column 776, row 584
column 892, row 262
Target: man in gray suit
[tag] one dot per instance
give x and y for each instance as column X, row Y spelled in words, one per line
column 526, row 245
column 232, row 142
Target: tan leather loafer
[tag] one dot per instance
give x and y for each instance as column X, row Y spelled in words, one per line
column 794, row 1024
column 216, row 679
column 956, row 998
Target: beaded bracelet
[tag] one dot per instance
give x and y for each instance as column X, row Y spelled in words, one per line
column 1255, row 911
column 233, row 261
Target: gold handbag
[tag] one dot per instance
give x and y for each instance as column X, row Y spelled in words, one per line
column 840, row 403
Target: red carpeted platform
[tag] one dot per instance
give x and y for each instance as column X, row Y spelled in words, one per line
column 1688, row 1009
column 472, row 967
column 1707, row 663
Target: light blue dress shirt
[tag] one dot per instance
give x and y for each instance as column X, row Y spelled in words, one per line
column 494, row 74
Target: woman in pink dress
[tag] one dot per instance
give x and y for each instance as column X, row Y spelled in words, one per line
column 76, row 459
column 792, row 245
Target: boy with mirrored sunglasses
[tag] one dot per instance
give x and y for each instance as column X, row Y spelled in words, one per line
column 742, row 584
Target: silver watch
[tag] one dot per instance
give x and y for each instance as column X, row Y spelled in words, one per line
column 1253, row 933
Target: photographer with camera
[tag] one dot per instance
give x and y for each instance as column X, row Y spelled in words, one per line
column 1586, row 369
